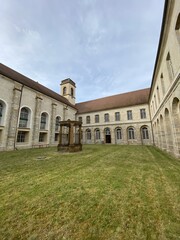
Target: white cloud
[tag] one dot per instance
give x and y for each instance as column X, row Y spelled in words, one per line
column 105, row 46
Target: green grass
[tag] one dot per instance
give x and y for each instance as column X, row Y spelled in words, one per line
column 104, row 192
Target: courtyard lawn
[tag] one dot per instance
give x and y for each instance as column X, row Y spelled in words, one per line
column 104, row 192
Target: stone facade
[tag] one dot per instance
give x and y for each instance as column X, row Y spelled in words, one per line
column 30, row 113
column 115, row 127
column 16, row 132
column 165, row 89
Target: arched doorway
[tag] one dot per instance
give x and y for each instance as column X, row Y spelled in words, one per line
column 107, row 133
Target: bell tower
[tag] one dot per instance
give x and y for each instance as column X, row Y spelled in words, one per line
column 68, row 90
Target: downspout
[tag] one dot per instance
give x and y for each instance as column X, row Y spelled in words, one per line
column 18, row 117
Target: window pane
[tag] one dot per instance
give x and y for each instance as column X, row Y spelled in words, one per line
column 96, row 118
column 143, row 113
column 129, row 115
column 106, row 117
column 117, row 116
column 21, row 136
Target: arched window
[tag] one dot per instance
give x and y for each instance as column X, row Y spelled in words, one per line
column 88, row 134
column 1, row 112
column 131, row 134
column 24, row 115
column 88, row 120
column 97, row 134
column 58, row 119
column 107, row 131
column 43, row 121
column 145, row 133
column 72, row 92
column 118, row 133
column 162, row 84
column 170, row 66
column 177, row 28
column 64, row 90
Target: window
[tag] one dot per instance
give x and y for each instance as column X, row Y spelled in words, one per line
column 117, row 116
column 1, row 112
column 96, row 118
column 88, row 120
column 170, row 67
column 118, row 133
column 158, row 94
column 56, row 137
column 162, row 84
column 21, row 136
column 131, row 133
column 42, row 137
column 43, row 121
column 143, row 113
column 72, row 92
column 80, row 119
column 88, row 134
column 64, row 90
column 129, row 114
column 177, row 28
column 97, row 134
column 23, row 122
column 58, row 119
column 106, row 117
column 145, row 134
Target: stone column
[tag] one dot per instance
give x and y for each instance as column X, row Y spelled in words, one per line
column 13, row 121
column 71, row 134
column 37, row 117
column 80, row 134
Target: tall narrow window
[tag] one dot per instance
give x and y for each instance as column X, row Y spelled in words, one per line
column 129, row 114
column 80, row 119
column 170, row 67
column 118, row 133
column 97, row 134
column 97, row 118
column 162, row 84
column 43, row 121
column 1, row 112
column 177, row 28
column 145, row 133
column 58, row 119
column 106, row 117
column 143, row 113
column 158, row 94
column 88, row 120
column 23, row 122
column 64, row 90
column 155, row 101
column 72, row 92
column 117, row 116
column 88, row 134
column 131, row 134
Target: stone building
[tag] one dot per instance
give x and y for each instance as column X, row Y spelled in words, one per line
column 30, row 113
column 164, row 100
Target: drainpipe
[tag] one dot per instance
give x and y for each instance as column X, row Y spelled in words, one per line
column 18, row 117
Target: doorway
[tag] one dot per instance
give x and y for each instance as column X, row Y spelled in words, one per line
column 107, row 135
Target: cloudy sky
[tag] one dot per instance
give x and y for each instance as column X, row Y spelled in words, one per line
column 106, row 46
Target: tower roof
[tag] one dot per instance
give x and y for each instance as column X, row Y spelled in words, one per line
column 68, row 80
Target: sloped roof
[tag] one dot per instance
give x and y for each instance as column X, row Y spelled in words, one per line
column 10, row 73
column 116, row 101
